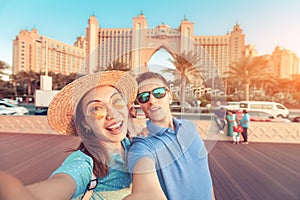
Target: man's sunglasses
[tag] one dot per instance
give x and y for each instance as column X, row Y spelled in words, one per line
column 157, row 93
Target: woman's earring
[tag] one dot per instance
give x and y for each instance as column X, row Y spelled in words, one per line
column 88, row 130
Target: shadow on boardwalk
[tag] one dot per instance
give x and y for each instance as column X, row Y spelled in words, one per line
column 255, row 171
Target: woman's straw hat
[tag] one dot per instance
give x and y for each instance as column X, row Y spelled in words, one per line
column 63, row 105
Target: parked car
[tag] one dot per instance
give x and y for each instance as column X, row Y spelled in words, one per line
column 261, row 116
column 296, row 119
column 231, row 105
column 19, row 110
column 5, row 111
column 175, row 106
column 41, row 111
column 11, row 101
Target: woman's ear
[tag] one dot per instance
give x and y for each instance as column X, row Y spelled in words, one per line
column 86, row 127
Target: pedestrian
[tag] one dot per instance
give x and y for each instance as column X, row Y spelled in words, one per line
column 220, row 119
column 245, row 123
column 232, row 122
column 94, row 107
column 172, row 162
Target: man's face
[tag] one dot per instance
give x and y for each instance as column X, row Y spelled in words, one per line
column 156, row 99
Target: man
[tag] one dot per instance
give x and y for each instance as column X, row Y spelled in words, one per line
column 172, row 162
column 245, row 122
column 220, row 118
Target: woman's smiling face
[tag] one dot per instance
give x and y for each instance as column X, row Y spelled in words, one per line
column 106, row 113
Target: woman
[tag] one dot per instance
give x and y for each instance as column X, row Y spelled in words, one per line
column 96, row 108
column 232, row 121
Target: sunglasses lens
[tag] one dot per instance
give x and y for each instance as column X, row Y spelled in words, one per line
column 97, row 111
column 159, row 93
column 143, row 97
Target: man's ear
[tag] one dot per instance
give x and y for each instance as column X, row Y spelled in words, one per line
column 132, row 112
column 170, row 97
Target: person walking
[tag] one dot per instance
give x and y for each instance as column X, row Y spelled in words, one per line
column 172, row 162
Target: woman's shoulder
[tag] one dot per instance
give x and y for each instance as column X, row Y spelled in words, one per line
column 78, row 157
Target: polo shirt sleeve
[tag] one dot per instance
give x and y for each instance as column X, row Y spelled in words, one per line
column 140, row 148
column 79, row 166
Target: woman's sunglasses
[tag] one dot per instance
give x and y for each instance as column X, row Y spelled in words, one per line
column 157, row 93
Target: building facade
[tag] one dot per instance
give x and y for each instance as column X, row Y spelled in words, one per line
column 285, row 63
column 134, row 46
column 33, row 52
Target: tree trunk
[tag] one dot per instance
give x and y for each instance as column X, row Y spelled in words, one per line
column 182, row 89
column 15, row 89
column 247, row 85
column 29, row 87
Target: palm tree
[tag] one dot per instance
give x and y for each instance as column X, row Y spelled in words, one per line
column 27, row 79
column 3, row 67
column 246, row 70
column 116, row 65
column 15, row 80
column 187, row 66
column 267, row 84
column 60, row 80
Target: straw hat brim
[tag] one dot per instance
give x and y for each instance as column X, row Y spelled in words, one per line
column 63, row 105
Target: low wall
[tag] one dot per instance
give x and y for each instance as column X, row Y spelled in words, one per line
column 258, row 132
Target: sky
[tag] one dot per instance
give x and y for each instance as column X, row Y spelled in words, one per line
column 265, row 23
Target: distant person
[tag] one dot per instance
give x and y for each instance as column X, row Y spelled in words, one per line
column 94, row 107
column 232, row 122
column 245, row 123
column 172, row 162
column 220, row 118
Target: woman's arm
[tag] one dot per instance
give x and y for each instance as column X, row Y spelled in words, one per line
column 12, row 188
column 58, row 187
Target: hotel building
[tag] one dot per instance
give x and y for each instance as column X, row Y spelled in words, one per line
column 134, row 46
column 33, row 52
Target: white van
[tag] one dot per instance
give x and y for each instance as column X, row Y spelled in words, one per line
column 232, row 105
column 273, row 108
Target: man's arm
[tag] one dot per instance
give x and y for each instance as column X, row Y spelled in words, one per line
column 145, row 183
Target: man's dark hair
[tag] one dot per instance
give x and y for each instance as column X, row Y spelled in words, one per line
column 148, row 75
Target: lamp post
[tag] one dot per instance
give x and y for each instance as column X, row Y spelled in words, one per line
column 46, row 54
column 46, row 81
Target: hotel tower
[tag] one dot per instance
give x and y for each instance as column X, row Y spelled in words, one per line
column 134, row 46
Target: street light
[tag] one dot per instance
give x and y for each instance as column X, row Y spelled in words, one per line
column 46, row 54
column 46, row 81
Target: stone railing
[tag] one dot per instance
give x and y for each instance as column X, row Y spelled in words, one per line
column 258, row 132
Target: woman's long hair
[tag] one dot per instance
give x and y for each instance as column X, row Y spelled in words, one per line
column 91, row 145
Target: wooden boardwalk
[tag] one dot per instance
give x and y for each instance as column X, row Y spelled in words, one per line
column 255, row 171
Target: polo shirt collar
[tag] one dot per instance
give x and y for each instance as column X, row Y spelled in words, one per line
column 157, row 130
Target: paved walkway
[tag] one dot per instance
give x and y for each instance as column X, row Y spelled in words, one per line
column 258, row 171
